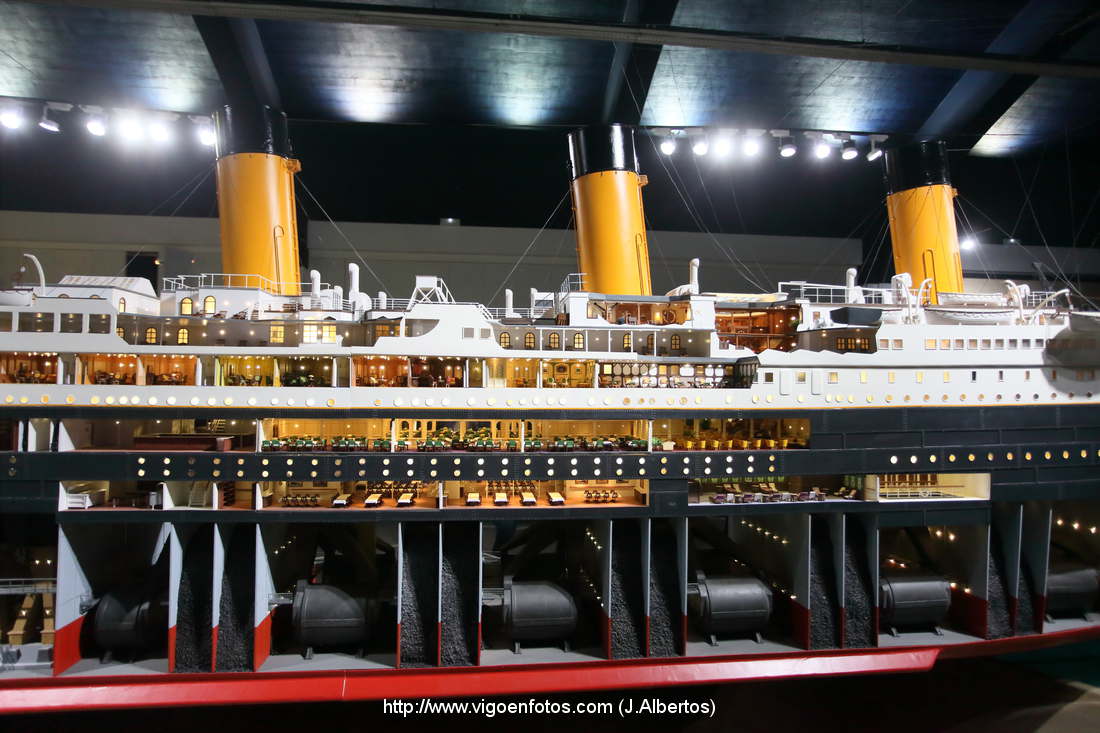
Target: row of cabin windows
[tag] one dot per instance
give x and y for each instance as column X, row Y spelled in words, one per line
column 312, row 333
column 918, row 377
column 187, row 306
column 980, row 344
column 553, row 341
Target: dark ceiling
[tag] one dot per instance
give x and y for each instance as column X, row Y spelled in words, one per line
column 411, row 121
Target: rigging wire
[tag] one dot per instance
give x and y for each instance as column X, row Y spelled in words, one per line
column 526, row 251
column 340, row 231
column 205, row 173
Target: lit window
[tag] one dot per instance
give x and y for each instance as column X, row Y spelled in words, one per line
column 676, row 341
column 529, row 340
column 898, row 343
column 278, row 333
column 122, row 305
column 960, row 344
column 920, row 377
column 628, row 341
column 120, row 332
column 187, row 307
column 328, row 333
column 834, row 377
column 891, row 377
column 182, row 336
column 930, row 344
column 800, row 377
column 209, row 305
column 150, row 335
column 884, row 344
column 972, row 343
column 578, row 341
column 945, row 344
column 946, row 377
column 309, row 333
column 505, row 339
column 862, row 345
column 554, row 341
column 863, row 377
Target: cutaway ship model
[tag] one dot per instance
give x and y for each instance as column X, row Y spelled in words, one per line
column 308, row 491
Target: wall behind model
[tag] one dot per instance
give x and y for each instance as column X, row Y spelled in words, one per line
column 473, row 260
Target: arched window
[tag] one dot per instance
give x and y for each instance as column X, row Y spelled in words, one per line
column 150, row 335
column 651, row 342
column 122, row 305
column 209, row 305
column 63, row 295
column 676, row 341
column 182, row 337
column 120, row 332
column 96, row 297
column 505, row 340
column 578, row 342
column 628, row 341
column 187, row 307
column 529, row 340
column 554, row 342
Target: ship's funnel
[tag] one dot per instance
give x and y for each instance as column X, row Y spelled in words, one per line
column 256, row 197
column 607, row 202
column 920, row 203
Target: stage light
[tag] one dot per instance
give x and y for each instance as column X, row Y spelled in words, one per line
column 668, row 147
column 130, row 129
column 160, row 132
column 700, row 147
column 11, row 118
column 206, row 135
column 787, row 148
column 849, row 151
column 822, row 149
column 46, row 123
column 967, row 243
column 96, row 126
column 722, row 146
column 751, row 147
column 874, row 153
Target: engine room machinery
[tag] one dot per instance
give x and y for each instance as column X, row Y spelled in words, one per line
column 729, row 605
column 533, row 610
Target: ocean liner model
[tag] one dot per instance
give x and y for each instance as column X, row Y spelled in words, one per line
column 270, row 490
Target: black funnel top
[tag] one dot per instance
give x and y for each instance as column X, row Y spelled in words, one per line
column 601, row 148
column 919, row 164
column 251, row 129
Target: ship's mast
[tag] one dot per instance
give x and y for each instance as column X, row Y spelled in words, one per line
column 256, row 196
column 920, row 203
column 607, row 202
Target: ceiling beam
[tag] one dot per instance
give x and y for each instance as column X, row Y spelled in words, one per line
column 238, row 55
column 614, row 32
column 633, row 65
column 979, row 98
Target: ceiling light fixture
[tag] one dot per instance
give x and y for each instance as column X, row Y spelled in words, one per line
column 668, row 146
column 875, row 152
column 967, row 243
column 160, row 131
column 848, row 150
column 822, row 149
column 751, row 147
column 12, row 118
column 46, row 123
column 130, row 128
column 787, row 148
column 701, row 147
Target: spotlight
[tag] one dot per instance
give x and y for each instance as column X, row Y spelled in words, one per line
column 160, row 132
column 96, row 126
column 751, row 146
column 11, row 118
column 700, row 147
column 130, row 129
column 874, row 153
column 849, row 151
column 206, row 135
column 787, row 148
column 967, row 243
column 722, row 146
column 668, row 147
column 822, row 149
column 46, row 123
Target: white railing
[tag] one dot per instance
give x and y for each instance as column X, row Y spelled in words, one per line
column 821, row 293
column 227, row 280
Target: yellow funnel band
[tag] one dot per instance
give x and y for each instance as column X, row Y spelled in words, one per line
column 258, row 225
column 926, row 243
column 611, row 241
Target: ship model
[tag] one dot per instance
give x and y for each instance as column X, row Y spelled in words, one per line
column 273, row 490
